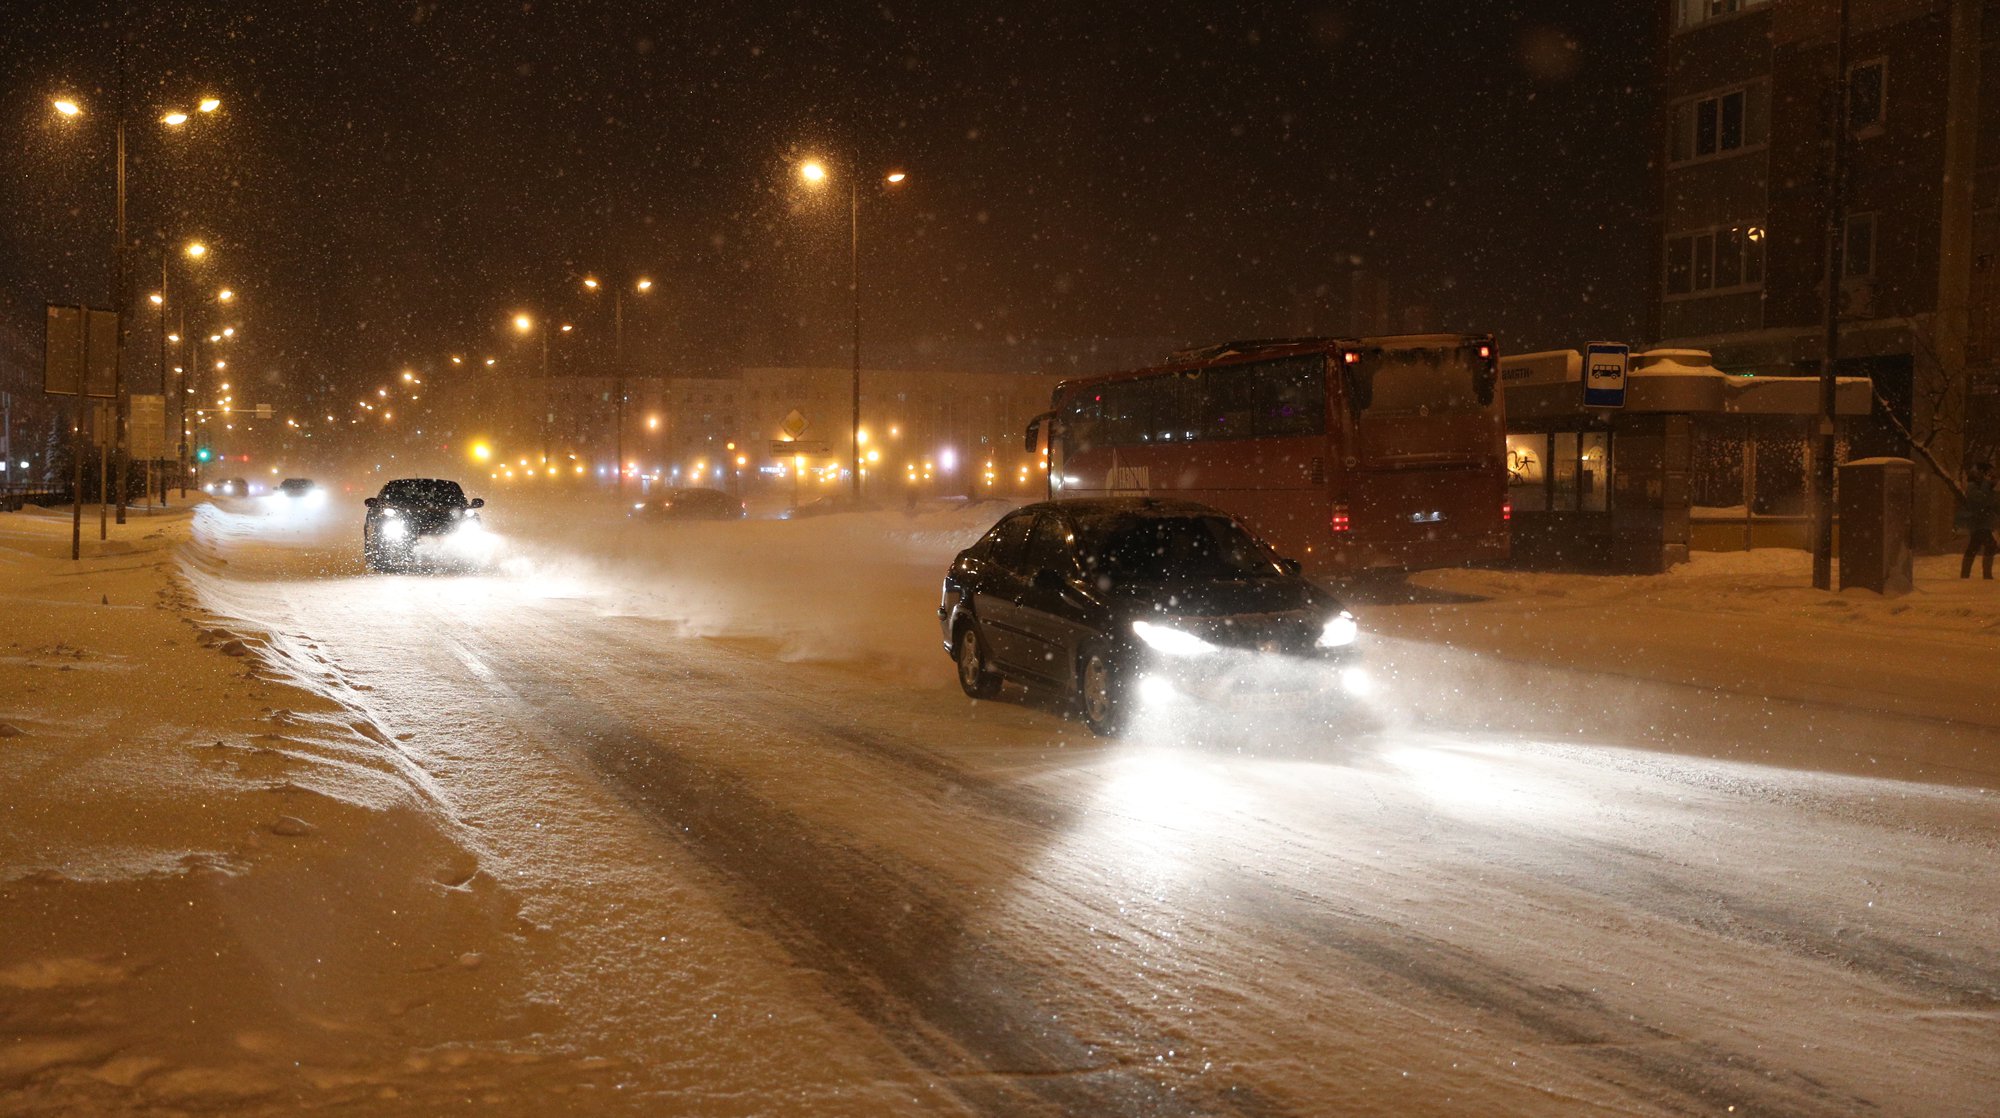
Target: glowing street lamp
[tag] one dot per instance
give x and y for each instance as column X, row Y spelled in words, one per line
column 815, row 173
column 225, row 295
column 209, row 104
column 641, row 285
column 174, row 119
column 68, row 108
column 196, row 249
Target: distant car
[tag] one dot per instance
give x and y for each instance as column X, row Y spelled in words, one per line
column 229, row 487
column 1089, row 597
column 690, row 504
column 410, row 511
column 821, row 506
column 298, row 487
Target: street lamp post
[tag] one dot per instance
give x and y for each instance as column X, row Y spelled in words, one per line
column 640, row 286
column 814, row 172
column 121, row 402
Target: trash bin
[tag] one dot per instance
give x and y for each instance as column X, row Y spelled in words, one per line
column 1875, row 506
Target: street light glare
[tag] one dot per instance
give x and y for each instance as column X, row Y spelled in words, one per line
column 174, row 119
column 209, row 104
column 523, row 323
column 156, row 298
column 196, row 249
column 897, row 176
column 229, row 331
column 225, row 295
column 590, row 282
column 68, row 108
column 645, row 285
column 813, row 171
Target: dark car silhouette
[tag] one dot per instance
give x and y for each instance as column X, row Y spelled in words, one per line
column 409, row 511
column 690, row 504
column 1089, row 597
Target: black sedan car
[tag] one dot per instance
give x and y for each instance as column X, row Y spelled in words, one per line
column 1091, row 597
column 690, row 504
column 410, row 517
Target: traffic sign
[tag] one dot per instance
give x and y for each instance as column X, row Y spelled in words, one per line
column 66, row 349
column 1605, row 365
column 146, row 428
column 795, row 424
column 786, row 448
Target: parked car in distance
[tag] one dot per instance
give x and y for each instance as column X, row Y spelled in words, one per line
column 228, row 487
column 297, row 487
column 690, row 504
column 411, row 511
column 831, row 503
column 1090, row 598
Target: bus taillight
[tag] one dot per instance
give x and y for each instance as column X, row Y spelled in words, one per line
column 1340, row 522
column 1506, row 511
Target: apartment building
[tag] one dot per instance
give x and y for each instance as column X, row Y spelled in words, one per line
column 1745, row 141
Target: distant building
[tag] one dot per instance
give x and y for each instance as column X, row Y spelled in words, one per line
column 1744, row 153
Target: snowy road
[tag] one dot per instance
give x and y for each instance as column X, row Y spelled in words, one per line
column 769, row 859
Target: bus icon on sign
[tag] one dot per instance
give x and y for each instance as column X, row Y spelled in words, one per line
column 1605, row 366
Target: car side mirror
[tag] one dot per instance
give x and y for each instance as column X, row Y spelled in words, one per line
column 477, row 503
column 370, row 502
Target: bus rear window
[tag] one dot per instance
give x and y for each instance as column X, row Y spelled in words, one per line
column 1419, row 381
column 1259, row 399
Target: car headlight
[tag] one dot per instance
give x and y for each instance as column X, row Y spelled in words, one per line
column 392, row 514
column 394, row 530
column 1173, row 642
column 1340, row 631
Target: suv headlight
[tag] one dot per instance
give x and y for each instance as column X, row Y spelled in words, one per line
column 394, row 530
column 1341, row 630
column 1173, row 642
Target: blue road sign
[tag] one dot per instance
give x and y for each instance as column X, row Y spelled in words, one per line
column 1605, row 365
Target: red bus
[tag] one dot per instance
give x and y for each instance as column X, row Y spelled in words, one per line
column 1347, row 454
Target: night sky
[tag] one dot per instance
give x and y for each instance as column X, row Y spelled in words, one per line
column 388, row 182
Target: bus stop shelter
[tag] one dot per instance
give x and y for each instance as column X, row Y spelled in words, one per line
column 1686, row 464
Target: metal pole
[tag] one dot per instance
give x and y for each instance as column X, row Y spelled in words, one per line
column 854, row 291
column 618, row 359
column 165, row 248
column 181, row 395
column 118, row 384
column 1836, row 238
column 547, row 397
column 76, row 445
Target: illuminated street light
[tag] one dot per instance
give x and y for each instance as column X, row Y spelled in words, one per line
column 196, row 249
column 209, row 104
column 156, row 298
column 68, row 108
column 225, row 295
column 644, row 285
column 523, row 323
column 815, row 173
column 229, row 331
column 590, row 282
column 174, row 119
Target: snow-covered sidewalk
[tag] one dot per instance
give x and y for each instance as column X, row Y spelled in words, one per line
column 1748, row 623
column 218, row 891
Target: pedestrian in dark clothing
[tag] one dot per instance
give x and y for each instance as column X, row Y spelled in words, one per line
column 1979, row 515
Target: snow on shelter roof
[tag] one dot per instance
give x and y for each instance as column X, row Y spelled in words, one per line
column 1549, row 383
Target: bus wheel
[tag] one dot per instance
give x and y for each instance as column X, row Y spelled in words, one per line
column 974, row 677
column 1101, row 693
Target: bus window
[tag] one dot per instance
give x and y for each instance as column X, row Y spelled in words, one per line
column 1419, row 381
column 1268, row 399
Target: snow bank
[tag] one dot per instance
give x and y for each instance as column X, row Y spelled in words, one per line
column 218, row 891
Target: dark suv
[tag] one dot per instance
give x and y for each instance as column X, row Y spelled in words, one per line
column 410, row 512
column 1092, row 597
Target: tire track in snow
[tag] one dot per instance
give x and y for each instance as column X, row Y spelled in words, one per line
column 1644, row 1061
column 976, row 1015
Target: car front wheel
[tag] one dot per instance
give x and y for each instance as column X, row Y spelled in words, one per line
column 1101, row 693
column 975, row 677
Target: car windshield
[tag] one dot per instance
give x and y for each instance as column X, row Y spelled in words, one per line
column 423, row 491
column 1172, row 549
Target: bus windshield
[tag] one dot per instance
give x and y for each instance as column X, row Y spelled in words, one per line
column 1419, row 381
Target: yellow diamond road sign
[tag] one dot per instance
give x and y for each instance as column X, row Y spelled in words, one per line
column 794, row 424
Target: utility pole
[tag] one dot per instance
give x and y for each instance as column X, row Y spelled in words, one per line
column 618, row 360
column 854, row 291
column 1836, row 246
column 119, row 387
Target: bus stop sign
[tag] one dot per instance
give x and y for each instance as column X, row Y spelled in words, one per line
column 1605, row 365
